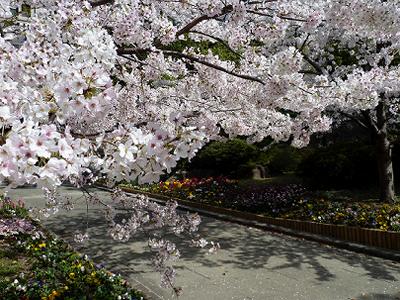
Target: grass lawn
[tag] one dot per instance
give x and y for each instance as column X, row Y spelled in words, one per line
column 12, row 263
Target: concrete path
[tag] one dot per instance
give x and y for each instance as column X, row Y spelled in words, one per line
column 252, row 264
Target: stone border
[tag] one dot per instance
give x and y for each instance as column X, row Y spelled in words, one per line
column 374, row 242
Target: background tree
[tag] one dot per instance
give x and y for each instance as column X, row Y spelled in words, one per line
column 360, row 56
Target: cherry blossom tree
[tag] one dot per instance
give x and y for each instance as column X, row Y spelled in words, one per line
column 126, row 88
column 356, row 46
column 101, row 86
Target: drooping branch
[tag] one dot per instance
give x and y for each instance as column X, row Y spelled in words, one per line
column 214, row 66
column 131, row 51
column 135, row 51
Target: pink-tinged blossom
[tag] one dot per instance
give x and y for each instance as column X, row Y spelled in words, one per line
column 90, row 89
column 15, row 226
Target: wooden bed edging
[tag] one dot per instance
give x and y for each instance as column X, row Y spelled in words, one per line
column 365, row 236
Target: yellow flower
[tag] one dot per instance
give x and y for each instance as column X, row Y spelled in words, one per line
column 71, row 275
column 53, row 295
column 42, row 245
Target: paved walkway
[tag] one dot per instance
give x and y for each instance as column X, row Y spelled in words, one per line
column 252, row 264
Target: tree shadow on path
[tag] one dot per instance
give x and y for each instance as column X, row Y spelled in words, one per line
column 243, row 247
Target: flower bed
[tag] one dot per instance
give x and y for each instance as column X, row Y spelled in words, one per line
column 290, row 201
column 36, row 265
column 368, row 215
column 228, row 193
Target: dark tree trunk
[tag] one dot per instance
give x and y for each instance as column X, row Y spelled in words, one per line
column 385, row 169
column 384, row 156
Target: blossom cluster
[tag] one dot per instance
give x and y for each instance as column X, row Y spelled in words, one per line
column 150, row 217
column 15, row 226
column 124, row 89
column 105, row 78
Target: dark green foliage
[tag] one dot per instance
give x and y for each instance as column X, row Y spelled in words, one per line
column 395, row 61
column 217, row 48
column 341, row 165
column 245, row 170
column 343, row 57
column 230, row 158
column 236, row 158
column 281, row 158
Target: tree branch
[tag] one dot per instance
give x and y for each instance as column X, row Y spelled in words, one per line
column 371, row 123
column 214, row 66
column 192, row 24
column 218, row 40
column 314, row 64
column 355, row 119
column 100, row 3
column 271, row 16
column 200, row 19
column 134, row 51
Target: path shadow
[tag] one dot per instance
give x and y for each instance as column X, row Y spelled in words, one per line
column 244, row 247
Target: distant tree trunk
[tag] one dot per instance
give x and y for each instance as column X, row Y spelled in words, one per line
column 384, row 156
column 385, row 169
